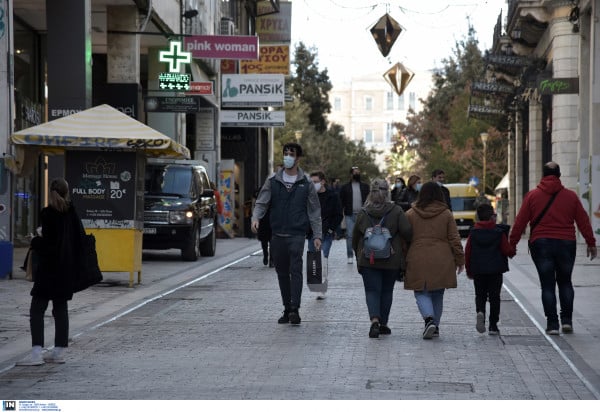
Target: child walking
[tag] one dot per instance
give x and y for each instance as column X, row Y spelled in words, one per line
column 486, row 260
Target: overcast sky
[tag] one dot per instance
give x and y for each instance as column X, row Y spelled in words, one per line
column 340, row 31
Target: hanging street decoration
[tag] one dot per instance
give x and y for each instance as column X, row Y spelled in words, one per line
column 385, row 32
column 398, row 76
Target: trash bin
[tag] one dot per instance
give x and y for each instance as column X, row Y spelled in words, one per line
column 6, row 259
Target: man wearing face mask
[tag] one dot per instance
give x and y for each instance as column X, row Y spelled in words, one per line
column 331, row 217
column 352, row 195
column 294, row 209
column 439, row 177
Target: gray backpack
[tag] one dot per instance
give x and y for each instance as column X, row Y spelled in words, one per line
column 377, row 241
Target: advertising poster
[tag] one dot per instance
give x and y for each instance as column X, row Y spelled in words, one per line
column 103, row 187
column 227, row 192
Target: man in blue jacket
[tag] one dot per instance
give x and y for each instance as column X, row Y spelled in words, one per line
column 294, row 209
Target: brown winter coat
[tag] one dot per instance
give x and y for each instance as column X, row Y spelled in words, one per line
column 435, row 250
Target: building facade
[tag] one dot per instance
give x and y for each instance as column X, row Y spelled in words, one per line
column 368, row 107
column 542, row 77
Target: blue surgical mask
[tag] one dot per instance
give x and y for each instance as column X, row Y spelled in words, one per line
column 288, row 161
column 398, row 185
column 317, row 186
column 418, row 187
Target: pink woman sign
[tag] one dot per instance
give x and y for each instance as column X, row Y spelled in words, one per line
column 223, row 47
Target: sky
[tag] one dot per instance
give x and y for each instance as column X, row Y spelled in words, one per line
column 339, row 29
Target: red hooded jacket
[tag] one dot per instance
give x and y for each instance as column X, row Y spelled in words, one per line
column 558, row 222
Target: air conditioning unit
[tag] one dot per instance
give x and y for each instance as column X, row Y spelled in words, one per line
column 227, row 27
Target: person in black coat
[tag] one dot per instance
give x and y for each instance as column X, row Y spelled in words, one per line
column 58, row 251
column 439, row 177
column 409, row 195
column 352, row 195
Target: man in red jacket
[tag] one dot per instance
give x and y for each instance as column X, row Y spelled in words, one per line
column 552, row 242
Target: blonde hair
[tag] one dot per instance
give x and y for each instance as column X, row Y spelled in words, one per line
column 58, row 198
column 379, row 194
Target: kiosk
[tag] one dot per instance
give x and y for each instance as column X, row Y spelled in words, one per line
column 105, row 155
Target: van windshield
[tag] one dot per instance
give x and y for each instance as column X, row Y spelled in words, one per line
column 168, row 180
column 460, row 204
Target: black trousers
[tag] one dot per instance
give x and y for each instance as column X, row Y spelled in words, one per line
column 60, row 312
column 488, row 287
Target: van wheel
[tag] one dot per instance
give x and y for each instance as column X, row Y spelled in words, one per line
column 190, row 251
column 208, row 245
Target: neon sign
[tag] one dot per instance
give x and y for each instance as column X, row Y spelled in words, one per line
column 175, row 56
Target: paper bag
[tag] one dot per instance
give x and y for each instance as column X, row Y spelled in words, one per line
column 314, row 270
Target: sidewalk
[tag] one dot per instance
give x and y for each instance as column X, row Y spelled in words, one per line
column 219, row 339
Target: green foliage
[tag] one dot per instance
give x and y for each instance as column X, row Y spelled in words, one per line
column 324, row 145
column 444, row 136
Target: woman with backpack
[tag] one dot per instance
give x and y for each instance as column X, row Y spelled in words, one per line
column 379, row 220
column 434, row 257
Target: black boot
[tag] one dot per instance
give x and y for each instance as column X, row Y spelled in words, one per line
column 285, row 318
column 294, row 316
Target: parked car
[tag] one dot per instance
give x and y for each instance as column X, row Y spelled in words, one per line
column 179, row 208
column 462, row 198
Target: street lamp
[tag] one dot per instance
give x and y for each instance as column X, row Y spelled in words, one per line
column 484, row 138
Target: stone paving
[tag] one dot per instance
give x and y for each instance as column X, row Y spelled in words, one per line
column 218, row 338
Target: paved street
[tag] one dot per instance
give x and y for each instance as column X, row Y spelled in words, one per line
column 201, row 331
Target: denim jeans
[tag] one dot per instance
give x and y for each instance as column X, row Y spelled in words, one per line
column 287, row 255
column 60, row 311
column 379, row 291
column 350, row 221
column 325, row 244
column 554, row 260
column 430, row 304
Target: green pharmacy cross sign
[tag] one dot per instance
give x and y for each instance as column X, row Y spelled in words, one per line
column 175, row 56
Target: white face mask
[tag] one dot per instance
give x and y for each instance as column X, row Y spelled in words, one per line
column 440, row 184
column 317, row 186
column 288, row 161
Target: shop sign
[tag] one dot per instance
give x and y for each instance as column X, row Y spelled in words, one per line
column 183, row 104
column 252, row 118
column 174, row 81
column 175, row 56
column 102, row 187
column 252, row 90
column 558, row 86
column 202, row 88
column 222, row 47
column 277, row 27
column 274, row 59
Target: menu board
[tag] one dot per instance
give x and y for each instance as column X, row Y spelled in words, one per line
column 103, row 188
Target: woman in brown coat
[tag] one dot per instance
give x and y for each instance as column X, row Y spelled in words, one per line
column 434, row 257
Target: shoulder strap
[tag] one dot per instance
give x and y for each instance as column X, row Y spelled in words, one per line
column 533, row 224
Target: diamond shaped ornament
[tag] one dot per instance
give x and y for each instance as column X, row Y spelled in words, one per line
column 398, row 76
column 385, row 32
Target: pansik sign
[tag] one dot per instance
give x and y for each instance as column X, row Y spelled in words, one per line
column 256, row 118
column 223, row 47
column 252, row 90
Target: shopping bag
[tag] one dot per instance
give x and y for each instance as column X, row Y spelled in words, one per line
column 89, row 271
column 314, row 269
column 31, row 266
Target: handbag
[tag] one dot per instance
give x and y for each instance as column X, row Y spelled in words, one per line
column 89, row 271
column 314, row 268
column 31, row 265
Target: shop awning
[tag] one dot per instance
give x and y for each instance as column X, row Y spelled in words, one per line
column 503, row 183
column 101, row 127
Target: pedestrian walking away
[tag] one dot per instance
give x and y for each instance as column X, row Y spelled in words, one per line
column 295, row 209
column 57, row 249
column 352, row 195
column 435, row 255
column 552, row 212
column 331, row 217
column 379, row 275
column 486, row 253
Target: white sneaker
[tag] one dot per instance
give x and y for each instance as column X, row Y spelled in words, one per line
column 54, row 356
column 33, row 359
column 349, row 261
